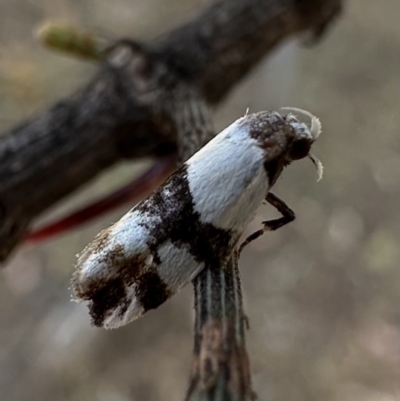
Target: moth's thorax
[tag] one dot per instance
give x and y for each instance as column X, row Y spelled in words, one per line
column 269, row 129
column 282, row 139
column 274, row 132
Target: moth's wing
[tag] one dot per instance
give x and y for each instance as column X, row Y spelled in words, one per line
column 105, row 276
column 146, row 257
column 123, row 273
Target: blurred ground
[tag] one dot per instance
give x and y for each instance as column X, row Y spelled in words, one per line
column 322, row 294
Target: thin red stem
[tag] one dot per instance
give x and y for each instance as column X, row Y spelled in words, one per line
column 130, row 193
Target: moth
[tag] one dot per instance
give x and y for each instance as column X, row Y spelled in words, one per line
column 196, row 217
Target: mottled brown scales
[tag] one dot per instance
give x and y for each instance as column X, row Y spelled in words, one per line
column 114, row 256
column 101, row 242
column 267, row 122
column 110, row 292
column 267, row 129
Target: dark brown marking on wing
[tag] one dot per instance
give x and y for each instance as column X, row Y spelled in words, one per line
column 106, row 298
column 85, row 288
column 110, row 292
column 181, row 224
column 152, row 291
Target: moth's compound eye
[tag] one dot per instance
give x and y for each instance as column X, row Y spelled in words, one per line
column 299, row 149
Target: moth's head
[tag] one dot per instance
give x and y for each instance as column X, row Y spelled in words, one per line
column 301, row 135
column 284, row 139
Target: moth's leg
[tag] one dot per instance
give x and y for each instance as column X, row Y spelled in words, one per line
column 272, row 225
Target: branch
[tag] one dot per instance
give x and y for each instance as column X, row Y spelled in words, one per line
column 224, row 43
column 220, row 366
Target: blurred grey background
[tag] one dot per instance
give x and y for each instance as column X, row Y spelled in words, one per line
column 322, row 294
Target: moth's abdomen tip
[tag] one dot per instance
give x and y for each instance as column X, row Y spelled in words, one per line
column 114, row 283
column 114, row 306
column 116, row 320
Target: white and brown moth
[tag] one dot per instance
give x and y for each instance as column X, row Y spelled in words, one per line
column 197, row 216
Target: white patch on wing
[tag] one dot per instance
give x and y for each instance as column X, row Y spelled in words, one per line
column 128, row 235
column 131, row 231
column 227, row 179
column 178, row 267
column 134, row 311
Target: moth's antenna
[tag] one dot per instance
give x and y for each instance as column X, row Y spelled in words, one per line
column 318, row 165
column 247, row 112
column 316, row 126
